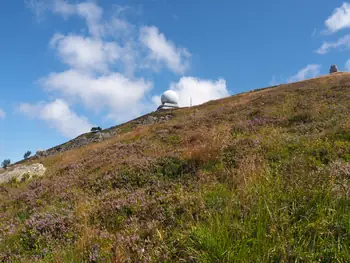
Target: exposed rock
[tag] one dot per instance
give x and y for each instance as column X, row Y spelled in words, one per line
column 151, row 120
column 81, row 140
column 41, row 153
column 22, row 172
column 154, row 119
column 107, row 135
column 98, row 136
column 333, row 69
column 77, row 143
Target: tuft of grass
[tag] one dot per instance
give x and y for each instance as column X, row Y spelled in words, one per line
column 275, row 226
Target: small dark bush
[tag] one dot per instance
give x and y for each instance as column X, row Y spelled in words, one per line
column 300, row 118
column 27, row 154
column 174, row 168
column 6, row 163
column 96, row 129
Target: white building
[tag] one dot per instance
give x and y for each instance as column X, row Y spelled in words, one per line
column 170, row 100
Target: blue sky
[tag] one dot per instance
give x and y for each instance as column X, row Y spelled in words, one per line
column 69, row 65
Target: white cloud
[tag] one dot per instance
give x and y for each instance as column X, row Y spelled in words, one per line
column 136, row 48
column 163, row 50
column 339, row 19
column 347, row 65
column 114, row 91
column 59, row 116
column 2, row 114
column 343, row 42
column 121, row 25
column 90, row 11
column 157, row 100
column 310, row 71
column 92, row 14
column 113, row 44
column 200, row 90
column 120, row 29
column 86, row 53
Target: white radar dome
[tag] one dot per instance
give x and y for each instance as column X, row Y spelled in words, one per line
column 170, row 96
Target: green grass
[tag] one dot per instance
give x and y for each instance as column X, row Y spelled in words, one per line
column 274, row 225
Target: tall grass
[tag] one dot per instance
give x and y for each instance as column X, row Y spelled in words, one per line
column 273, row 223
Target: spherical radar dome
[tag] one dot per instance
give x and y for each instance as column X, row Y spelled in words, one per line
column 170, row 96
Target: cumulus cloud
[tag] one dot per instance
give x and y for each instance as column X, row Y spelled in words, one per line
column 103, row 66
column 163, row 50
column 343, row 43
column 92, row 14
column 114, row 91
column 2, row 114
column 119, row 27
column 59, row 116
column 200, row 90
column 157, row 100
column 340, row 19
column 90, row 11
column 132, row 47
column 310, row 71
column 86, row 53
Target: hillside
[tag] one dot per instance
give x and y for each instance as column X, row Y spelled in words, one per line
column 261, row 176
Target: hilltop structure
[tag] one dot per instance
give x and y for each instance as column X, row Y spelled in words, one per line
column 170, row 100
column 333, row 69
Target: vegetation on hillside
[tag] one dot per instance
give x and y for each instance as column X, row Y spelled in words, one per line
column 96, row 129
column 27, row 154
column 5, row 163
column 258, row 177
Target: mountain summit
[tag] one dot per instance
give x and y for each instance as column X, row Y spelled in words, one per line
column 261, row 176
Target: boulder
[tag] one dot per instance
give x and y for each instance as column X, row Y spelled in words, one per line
column 22, row 172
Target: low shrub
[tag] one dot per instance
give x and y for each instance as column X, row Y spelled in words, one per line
column 176, row 168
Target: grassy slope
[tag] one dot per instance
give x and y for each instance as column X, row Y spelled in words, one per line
column 258, row 177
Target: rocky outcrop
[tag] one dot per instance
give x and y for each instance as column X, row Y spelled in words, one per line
column 78, row 142
column 154, row 119
column 99, row 136
column 22, row 172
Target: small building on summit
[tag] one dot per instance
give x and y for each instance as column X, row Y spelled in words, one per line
column 170, row 100
column 333, row 69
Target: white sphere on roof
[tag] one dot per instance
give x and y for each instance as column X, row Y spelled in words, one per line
column 170, row 96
